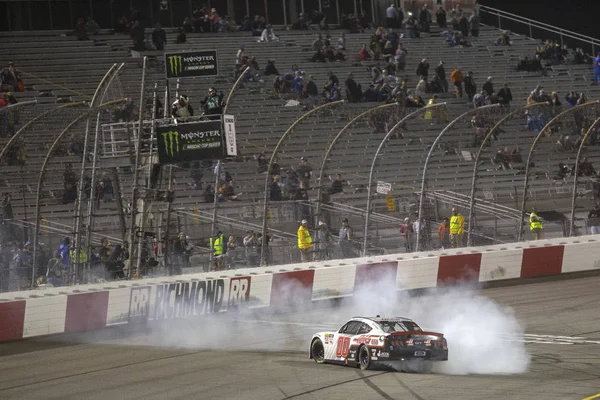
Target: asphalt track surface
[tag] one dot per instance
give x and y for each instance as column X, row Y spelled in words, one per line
column 561, row 321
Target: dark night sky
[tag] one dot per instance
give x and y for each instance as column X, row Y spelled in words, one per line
column 580, row 16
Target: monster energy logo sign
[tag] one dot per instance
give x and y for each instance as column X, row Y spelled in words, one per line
column 191, row 64
column 171, row 142
column 175, row 63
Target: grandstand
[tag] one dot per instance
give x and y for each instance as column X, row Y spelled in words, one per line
column 59, row 69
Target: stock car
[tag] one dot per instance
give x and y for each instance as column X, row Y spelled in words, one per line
column 367, row 342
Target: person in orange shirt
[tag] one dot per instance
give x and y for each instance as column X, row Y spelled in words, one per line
column 457, row 78
column 444, row 234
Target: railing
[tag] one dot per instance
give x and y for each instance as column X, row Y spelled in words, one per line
column 516, row 23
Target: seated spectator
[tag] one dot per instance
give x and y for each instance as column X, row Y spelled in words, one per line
column 268, row 35
column 187, row 25
column 332, row 80
column 503, row 40
column 213, row 103
column 479, row 100
column 10, row 79
column 582, row 99
column 159, row 37
column 123, row 25
column 572, row 98
column 353, row 90
column 337, row 185
column 270, row 68
column 341, row 44
column 80, row 29
column 421, row 88
column 363, row 54
column 301, row 23
column 263, row 163
column 564, row 171
column 181, row 36
column 586, row 168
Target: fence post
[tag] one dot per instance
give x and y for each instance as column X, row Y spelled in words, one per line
column 576, row 174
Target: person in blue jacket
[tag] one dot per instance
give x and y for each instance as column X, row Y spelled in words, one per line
column 597, row 69
column 63, row 252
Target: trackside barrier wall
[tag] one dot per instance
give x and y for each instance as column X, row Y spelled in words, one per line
column 92, row 307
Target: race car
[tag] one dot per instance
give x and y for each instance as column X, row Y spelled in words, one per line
column 366, row 342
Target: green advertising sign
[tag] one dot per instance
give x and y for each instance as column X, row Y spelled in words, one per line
column 190, row 142
column 191, row 64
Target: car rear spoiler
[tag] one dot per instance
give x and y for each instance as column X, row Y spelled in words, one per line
column 417, row 333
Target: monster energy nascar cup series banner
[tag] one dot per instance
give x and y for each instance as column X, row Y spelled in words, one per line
column 190, row 142
column 191, row 64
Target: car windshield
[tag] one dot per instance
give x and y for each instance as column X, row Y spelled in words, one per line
column 390, row 326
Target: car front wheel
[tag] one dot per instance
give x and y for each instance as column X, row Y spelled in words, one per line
column 317, row 351
column 364, row 358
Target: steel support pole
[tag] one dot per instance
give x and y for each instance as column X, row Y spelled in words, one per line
column 91, row 208
column 372, row 171
column 576, row 175
column 334, row 142
column 476, row 164
column 432, row 149
column 263, row 253
column 530, row 155
column 136, row 172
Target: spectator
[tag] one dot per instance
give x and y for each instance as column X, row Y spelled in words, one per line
column 341, row 44
column 275, row 189
column 218, row 250
column 594, row 220
column 70, row 184
column 92, row 26
column 391, row 17
column 353, row 90
column 11, row 79
column 505, row 96
column 182, row 250
column 572, row 98
column 231, row 253
column 252, row 245
column 440, row 16
column 323, row 241
column 457, row 79
column 440, row 72
column 423, row 69
column 425, row 19
column 488, row 87
column 182, row 108
column 470, row 86
column 305, row 243
column 268, row 35
column 159, row 37
column 213, row 103
column 406, row 231
column 63, row 252
column 311, row 91
column 270, row 69
column 444, row 234
column 503, row 40
column 554, row 100
column 345, row 238
column 80, row 29
column 474, row 22
column 181, row 36
column 337, row 185
column 363, row 54
column 187, row 25
column 138, row 36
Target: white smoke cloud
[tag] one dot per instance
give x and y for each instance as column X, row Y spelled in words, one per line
column 475, row 326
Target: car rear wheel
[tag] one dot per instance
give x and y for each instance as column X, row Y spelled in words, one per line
column 364, row 358
column 317, row 351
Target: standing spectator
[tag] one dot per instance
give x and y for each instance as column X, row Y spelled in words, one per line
column 441, row 17
column 5, row 258
column 305, row 243
column 138, row 36
column 63, row 252
column 444, row 234
column 535, row 224
column 218, row 249
column 425, row 19
column 488, row 87
column 345, row 238
column 474, row 22
column 470, row 86
column 159, row 37
column 252, row 246
column 323, row 241
column 304, row 172
column 341, row 44
column 353, row 89
column 69, row 184
column 182, row 250
column 406, row 231
column 11, row 79
column 594, row 220
column 440, row 72
column 457, row 79
column 391, row 17
column 457, row 223
column 6, row 207
column 505, row 96
column 311, row 91
column 231, row 253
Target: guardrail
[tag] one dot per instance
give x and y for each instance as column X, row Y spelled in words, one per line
column 516, row 23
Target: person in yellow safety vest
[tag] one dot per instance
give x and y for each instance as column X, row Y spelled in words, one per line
column 457, row 227
column 432, row 101
column 218, row 250
column 535, row 225
column 82, row 256
column 305, row 243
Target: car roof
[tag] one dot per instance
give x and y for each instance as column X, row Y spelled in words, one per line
column 380, row 319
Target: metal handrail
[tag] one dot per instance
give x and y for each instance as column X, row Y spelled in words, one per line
column 540, row 25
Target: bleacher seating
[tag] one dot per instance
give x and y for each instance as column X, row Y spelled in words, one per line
column 60, row 68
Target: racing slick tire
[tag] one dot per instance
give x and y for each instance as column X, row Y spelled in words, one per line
column 364, row 358
column 317, row 351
